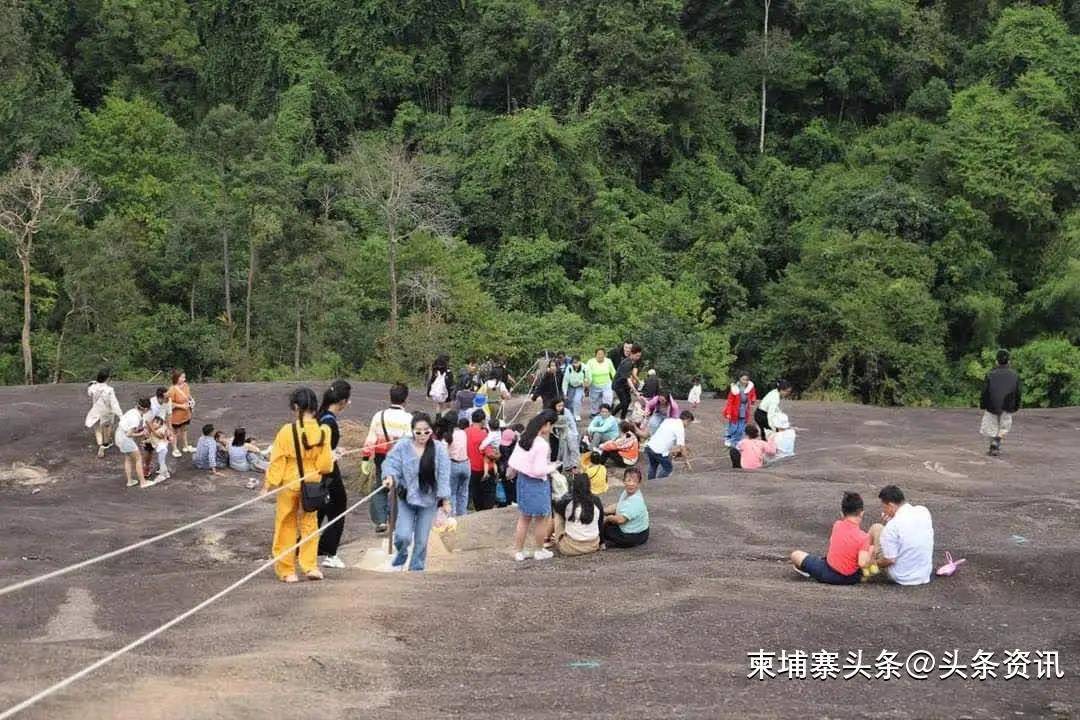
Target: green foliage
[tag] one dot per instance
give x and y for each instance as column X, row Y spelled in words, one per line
column 522, row 175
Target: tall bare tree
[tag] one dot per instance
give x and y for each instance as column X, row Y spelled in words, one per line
column 405, row 192
column 764, row 72
column 31, row 196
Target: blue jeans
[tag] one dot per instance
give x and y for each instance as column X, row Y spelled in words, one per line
column 597, row 396
column 379, row 507
column 574, row 396
column 459, row 486
column 735, row 431
column 413, row 528
column 657, row 461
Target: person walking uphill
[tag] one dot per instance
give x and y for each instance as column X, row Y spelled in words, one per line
column 418, row 471
column 1000, row 399
column 386, row 428
column 334, row 402
column 104, row 411
column 599, row 372
column 531, row 461
column 440, row 386
column 625, row 384
column 303, row 442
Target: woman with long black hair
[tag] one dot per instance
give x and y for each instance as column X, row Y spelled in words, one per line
column 578, row 517
column 334, row 402
column 531, row 461
column 291, row 521
column 418, row 470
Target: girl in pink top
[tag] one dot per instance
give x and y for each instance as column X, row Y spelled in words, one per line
column 531, row 461
column 751, row 451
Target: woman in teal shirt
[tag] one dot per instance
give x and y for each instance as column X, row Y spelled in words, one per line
column 626, row 524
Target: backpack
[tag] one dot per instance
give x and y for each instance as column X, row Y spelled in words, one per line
column 438, row 391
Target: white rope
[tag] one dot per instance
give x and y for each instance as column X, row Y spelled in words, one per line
column 511, row 392
column 176, row 620
column 149, row 541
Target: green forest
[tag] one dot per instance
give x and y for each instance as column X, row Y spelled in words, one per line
column 866, row 197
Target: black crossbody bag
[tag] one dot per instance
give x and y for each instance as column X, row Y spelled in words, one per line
column 313, row 495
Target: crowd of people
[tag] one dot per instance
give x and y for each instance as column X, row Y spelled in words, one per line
column 467, row 456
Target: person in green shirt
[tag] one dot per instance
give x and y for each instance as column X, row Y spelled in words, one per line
column 599, row 372
column 573, row 386
column 626, row 524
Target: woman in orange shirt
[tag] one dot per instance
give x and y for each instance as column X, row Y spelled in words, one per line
column 290, row 520
column 179, row 396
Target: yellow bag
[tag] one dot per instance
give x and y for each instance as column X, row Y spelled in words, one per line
column 367, row 477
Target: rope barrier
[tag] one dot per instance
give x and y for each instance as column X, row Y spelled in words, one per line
column 56, row 687
column 149, row 541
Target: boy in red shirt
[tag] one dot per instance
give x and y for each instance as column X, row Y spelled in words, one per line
column 849, row 548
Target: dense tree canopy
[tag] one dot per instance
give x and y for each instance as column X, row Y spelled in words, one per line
column 320, row 187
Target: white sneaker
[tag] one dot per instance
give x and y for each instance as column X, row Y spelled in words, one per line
column 101, row 451
column 189, row 449
column 543, row 554
column 333, row 561
column 727, row 443
column 160, row 478
column 176, row 453
column 520, row 556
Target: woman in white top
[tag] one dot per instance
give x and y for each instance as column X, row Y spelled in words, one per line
column 578, row 516
column 104, row 410
column 131, row 432
column 767, row 411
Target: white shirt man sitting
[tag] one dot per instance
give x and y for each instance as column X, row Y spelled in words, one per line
column 905, row 543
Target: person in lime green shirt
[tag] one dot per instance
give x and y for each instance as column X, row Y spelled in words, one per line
column 599, row 372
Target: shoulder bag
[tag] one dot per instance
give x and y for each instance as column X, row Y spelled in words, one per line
column 313, row 495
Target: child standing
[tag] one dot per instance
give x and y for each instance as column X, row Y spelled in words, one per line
column 694, row 398
column 159, row 438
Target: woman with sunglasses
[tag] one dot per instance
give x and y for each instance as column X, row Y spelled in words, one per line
column 418, row 470
column 291, row 521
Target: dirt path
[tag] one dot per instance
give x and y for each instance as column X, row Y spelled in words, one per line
column 663, row 631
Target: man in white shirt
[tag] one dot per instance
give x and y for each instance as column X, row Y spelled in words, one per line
column 668, row 441
column 386, row 428
column 905, row 543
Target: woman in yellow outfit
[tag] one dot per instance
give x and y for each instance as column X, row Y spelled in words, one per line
column 291, row 522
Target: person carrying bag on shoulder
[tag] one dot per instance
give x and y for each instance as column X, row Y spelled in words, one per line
column 301, row 452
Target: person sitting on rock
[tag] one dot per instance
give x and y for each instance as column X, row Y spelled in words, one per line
column 905, row 542
column 751, row 451
column 603, row 427
column 578, row 517
column 849, row 548
column 626, row 523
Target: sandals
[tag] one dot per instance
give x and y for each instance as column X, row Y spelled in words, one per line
column 950, row 566
column 314, row 574
column 289, row 579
